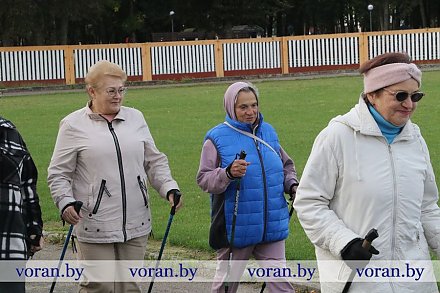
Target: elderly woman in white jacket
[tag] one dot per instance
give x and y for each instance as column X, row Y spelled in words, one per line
column 371, row 168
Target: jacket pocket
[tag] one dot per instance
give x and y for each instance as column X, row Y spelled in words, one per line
column 102, row 189
column 144, row 191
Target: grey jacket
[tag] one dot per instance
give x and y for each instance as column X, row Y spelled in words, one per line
column 106, row 165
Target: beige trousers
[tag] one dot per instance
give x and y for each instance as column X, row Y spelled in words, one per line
column 133, row 249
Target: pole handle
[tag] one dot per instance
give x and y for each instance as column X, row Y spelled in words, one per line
column 242, row 155
column 366, row 244
column 77, row 206
column 176, row 199
column 371, row 235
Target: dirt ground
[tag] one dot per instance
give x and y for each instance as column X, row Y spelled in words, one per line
column 52, row 251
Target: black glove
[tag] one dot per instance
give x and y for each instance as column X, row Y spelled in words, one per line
column 171, row 191
column 355, row 256
column 34, row 241
column 292, row 191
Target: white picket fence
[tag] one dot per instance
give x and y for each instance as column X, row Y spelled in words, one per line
column 324, row 52
column 128, row 58
column 148, row 61
column 182, row 59
column 31, row 65
column 423, row 46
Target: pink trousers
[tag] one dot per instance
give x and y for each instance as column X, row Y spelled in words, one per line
column 264, row 252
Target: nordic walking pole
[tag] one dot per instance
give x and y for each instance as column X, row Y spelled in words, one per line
column 371, row 235
column 242, row 156
column 176, row 199
column 77, row 206
column 290, row 216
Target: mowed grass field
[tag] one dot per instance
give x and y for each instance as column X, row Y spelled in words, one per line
column 180, row 115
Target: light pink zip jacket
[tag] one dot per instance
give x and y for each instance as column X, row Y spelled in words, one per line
column 107, row 166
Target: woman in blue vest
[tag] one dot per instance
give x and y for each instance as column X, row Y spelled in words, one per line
column 249, row 211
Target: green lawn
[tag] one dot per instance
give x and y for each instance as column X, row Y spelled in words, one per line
column 179, row 117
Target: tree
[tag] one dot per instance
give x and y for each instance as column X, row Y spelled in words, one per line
column 44, row 22
column 15, row 21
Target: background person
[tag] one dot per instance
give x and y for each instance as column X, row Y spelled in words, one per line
column 262, row 222
column 370, row 168
column 104, row 156
column 21, row 226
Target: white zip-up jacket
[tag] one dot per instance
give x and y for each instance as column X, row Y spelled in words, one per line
column 106, row 165
column 354, row 181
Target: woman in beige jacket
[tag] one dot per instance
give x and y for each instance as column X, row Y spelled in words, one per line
column 104, row 156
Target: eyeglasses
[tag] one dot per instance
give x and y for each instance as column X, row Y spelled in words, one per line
column 402, row 95
column 112, row 92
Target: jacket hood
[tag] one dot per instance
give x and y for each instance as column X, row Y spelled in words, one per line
column 230, row 97
column 361, row 121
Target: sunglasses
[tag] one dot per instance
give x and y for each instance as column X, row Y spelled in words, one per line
column 402, row 95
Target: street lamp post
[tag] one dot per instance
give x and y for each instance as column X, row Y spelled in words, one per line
column 172, row 25
column 370, row 9
column 172, row 21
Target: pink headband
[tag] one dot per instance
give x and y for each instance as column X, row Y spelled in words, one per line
column 389, row 74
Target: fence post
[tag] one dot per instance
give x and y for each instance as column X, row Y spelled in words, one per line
column 219, row 70
column 363, row 47
column 146, row 62
column 69, row 65
column 284, row 56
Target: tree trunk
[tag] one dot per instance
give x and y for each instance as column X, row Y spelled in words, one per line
column 386, row 15
column 63, row 30
column 423, row 13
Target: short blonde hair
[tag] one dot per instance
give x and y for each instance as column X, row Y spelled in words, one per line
column 103, row 68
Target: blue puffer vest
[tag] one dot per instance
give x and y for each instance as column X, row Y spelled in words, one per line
column 262, row 209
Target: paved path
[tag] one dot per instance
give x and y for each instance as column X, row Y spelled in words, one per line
column 53, row 251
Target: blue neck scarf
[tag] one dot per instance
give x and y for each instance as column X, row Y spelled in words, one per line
column 389, row 130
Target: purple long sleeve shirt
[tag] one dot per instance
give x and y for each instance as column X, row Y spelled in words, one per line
column 213, row 179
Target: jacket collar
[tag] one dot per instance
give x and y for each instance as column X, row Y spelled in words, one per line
column 244, row 126
column 95, row 116
column 360, row 119
column 369, row 126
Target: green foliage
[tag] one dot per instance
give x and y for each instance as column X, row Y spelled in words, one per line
column 179, row 117
column 54, row 22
